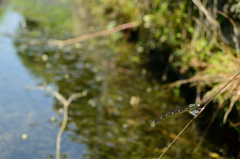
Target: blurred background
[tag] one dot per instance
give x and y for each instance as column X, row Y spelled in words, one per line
column 133, row 61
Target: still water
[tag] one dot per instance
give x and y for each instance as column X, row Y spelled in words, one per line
column 112, row 121
column 23, row 111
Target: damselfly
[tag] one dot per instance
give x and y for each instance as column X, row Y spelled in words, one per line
column 192, row 109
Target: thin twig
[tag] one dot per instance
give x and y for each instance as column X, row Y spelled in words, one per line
column 65, row 119
column 235, row 30
column 198, row 114
column 206, row 130
column 236, row 124
column 66, row 104
column 62, row 43
column 60, row 132
column 211, row 20
column 231, row 20
column 234, row 99
column 170, row 59
column 115, row 67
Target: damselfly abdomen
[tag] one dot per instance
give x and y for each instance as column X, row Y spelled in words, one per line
column 192, row 109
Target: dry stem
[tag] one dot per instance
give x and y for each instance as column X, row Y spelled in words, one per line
column 66, row 103
column 198, row 114
column 211, row 20
column 62, row 43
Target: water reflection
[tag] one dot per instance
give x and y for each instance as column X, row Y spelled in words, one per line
column 23, row 112
column 113, row 120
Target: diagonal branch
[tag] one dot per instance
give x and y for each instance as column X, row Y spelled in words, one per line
column 62, row 43
column 198, row 114
column 66, row 104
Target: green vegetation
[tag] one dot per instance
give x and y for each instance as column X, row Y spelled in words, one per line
column 178, row 29
column 51, row 19
column 203, row 51
column 197, row 43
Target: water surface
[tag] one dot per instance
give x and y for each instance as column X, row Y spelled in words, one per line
column 112, row 121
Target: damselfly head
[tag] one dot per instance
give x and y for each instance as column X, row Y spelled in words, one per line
column 194, row 105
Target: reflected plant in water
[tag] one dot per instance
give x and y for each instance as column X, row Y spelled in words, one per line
column 65, row 102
